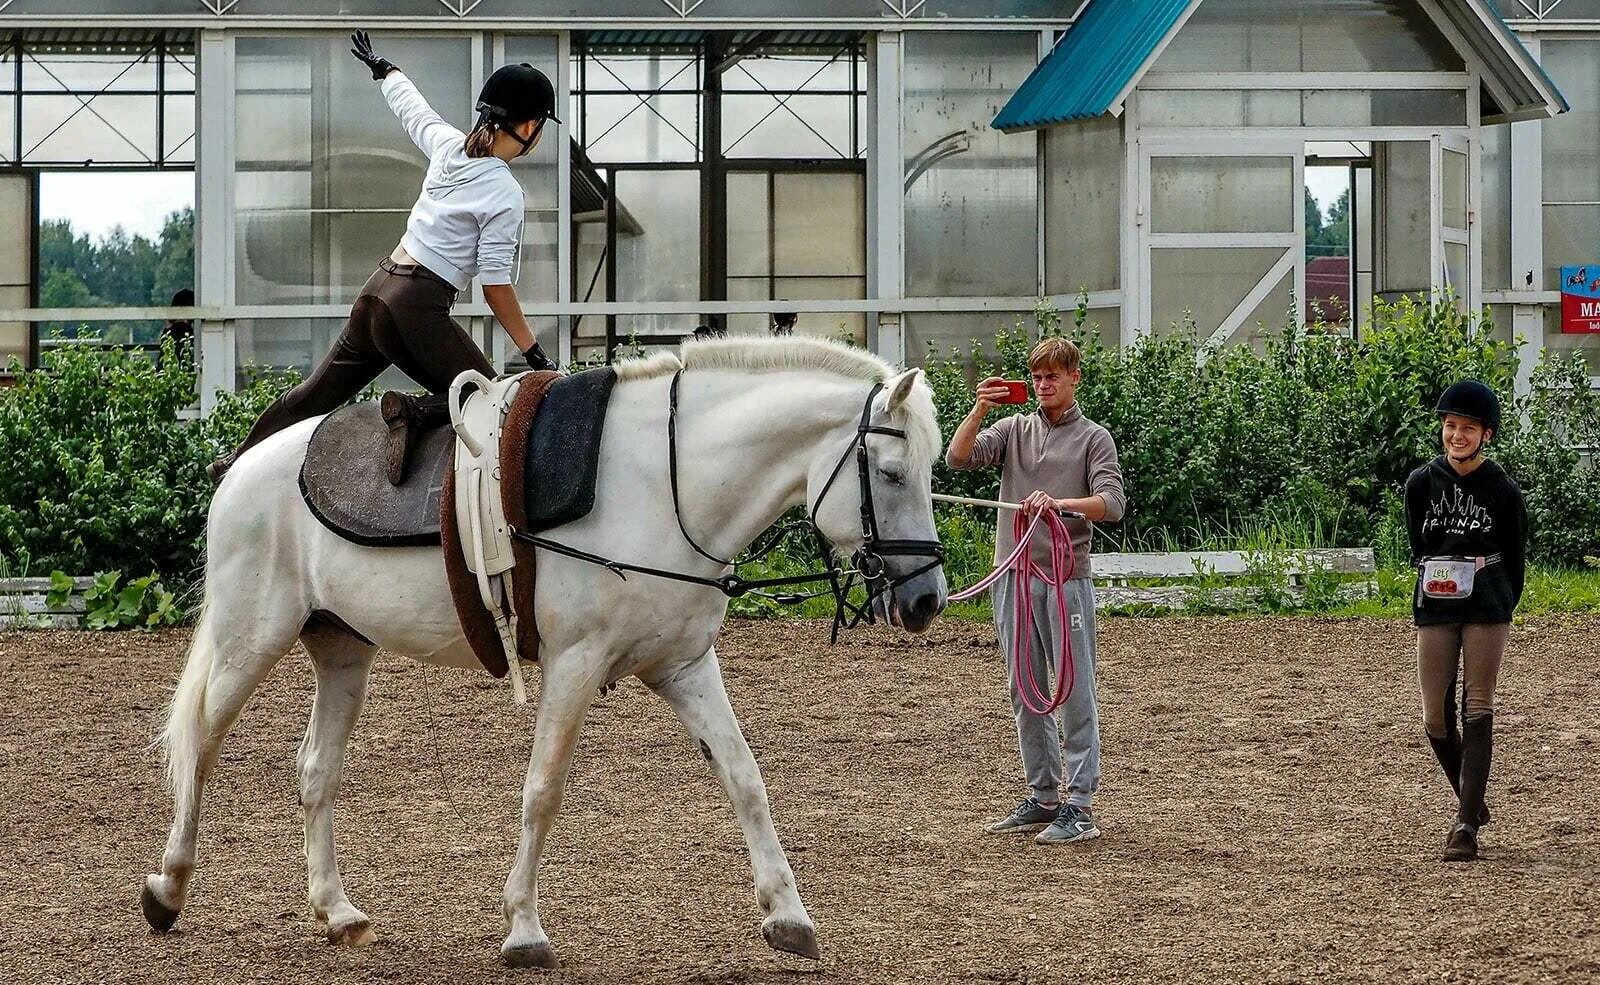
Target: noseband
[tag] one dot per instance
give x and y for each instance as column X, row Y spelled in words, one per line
column 868, row 562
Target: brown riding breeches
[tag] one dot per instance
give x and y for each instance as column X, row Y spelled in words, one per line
column 402, row 319
column 1477, row 649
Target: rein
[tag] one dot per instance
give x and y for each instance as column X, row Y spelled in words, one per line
column 868, row 561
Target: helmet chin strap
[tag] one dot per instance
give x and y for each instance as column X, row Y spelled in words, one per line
column 527, row 145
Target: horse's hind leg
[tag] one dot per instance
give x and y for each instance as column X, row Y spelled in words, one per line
column 343, row 665
column 224, row 668
column 699, row 699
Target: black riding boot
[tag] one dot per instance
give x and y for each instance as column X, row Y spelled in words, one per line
column 1477, row 749
column 1448, row 751
column 407, row 417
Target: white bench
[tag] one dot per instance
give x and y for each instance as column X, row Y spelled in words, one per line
column 24, row 604
column 1192, row 576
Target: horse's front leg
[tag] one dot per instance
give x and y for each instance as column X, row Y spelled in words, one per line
column 569, row 683
column 700, row 701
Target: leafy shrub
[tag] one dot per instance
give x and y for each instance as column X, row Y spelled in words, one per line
column 101, row 472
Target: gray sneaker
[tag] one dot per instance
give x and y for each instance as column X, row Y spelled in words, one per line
column 1030, row 815
column 1072, row 823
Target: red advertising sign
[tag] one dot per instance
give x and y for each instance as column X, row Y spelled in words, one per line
column 1580, row 300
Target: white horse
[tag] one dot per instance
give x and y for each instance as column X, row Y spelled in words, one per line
column 762, row 425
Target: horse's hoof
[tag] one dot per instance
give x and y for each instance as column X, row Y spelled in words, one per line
column 356, row 933
column 530, row 956
column 792, row 937
column 160, row 916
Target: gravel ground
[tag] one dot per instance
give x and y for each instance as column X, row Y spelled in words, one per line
column 1271, row 814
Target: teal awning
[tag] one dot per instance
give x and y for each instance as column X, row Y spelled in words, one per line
column 1095, row 64
column 1112, row 43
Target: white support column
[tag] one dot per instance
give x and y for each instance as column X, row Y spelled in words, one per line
column 1135, row 293
column 564, row 248
column 886, row 192
column 217, row 351
column 1527, row 238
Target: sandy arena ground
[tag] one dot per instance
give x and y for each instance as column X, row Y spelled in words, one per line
column 1270, row 808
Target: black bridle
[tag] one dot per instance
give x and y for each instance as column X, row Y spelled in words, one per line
column 867, row 562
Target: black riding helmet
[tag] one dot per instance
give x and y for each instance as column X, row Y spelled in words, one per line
column 515, row 94
column 1471, row 398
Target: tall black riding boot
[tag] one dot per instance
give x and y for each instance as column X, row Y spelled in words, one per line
column 407, row 417
column 1477, row 750
column 1448, row 751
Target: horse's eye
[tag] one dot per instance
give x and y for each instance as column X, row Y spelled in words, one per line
column 897, row 478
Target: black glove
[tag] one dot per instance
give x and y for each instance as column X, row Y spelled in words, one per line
column 363, row 50
column 536, row 358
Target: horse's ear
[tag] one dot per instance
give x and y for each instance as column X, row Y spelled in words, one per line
column 900, row 388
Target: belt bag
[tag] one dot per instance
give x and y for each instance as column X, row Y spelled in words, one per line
column 1452, row 577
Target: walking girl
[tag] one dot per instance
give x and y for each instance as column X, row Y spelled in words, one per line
column 467, row 222
column 1468, row 532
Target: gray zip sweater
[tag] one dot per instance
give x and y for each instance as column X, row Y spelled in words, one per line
column 1071, row 459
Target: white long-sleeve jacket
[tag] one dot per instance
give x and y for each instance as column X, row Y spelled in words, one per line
column 468, row 220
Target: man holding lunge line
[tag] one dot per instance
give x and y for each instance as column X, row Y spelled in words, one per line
column 1052, row 459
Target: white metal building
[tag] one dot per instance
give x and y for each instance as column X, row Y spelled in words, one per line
column 731, row 159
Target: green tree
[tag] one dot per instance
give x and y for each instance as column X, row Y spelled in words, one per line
column 1313, row 218
column 175, row 267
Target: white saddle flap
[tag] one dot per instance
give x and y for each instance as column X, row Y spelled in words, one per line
column 480, row 512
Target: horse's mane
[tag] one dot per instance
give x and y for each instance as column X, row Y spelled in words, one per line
column 761, row 354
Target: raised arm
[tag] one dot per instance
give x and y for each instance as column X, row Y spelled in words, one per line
column 427, row 129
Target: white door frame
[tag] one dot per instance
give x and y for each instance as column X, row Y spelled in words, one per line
column 1292, row 242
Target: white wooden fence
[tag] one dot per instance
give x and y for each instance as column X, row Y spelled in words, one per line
column 1187, row 577
column 24, row 605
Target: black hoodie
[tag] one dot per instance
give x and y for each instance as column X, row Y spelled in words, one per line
column 1475, row 515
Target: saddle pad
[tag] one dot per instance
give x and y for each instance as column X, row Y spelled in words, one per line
column 563, row 450
column 343, row 480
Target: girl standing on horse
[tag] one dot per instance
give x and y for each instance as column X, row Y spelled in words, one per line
column 467, row 222
column 1468, row 530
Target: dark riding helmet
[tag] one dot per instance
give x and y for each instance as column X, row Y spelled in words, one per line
column 1471, row 398
column 516, row 94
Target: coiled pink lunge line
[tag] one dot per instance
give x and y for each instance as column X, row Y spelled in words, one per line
column 1023, row 568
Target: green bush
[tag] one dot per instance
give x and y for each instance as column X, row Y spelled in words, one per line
column 101, row 473
column 1316, row 433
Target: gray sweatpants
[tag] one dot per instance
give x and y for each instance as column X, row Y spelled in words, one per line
column 1078, row 741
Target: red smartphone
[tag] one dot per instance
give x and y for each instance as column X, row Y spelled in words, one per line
column 1018, row 392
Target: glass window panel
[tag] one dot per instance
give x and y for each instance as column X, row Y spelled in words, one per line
column 749, row 289
column 1222, row 194
column 1203, row 284
column 16, row 219
column 625, row 129
column 539, row 273
column 1571, row 163
column 931, row 336
column 803, row 126
column 971, row 206
column 822, row 72
column 8, row 68
column 110, row 129
column 178, row 129
column 850, row 326
column 1270, row 36
column 819, row 224
column 89, row 67
column 749, row 226
column 273, row 258
column 666, row 72
column 1271, row 315
column 1571, row 238
column 1385, row 107
column 589, row 268
column 1402, row 211
column 1455, row 189
column 1219, row 108
column 181, row 71
column 1496, row 207
column 537, row 173
column 8, row 128
column 1083, row 206
column 1499, row 323
column 274, row 344
column 662, row 261
column 1456, row 275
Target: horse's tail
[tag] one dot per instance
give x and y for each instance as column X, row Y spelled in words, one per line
column 184, row 735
